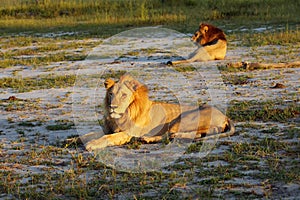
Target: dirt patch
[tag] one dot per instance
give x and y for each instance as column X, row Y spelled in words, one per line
column 260, row 161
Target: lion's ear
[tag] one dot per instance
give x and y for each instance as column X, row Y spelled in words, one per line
column 205, row 29
column 109, row 83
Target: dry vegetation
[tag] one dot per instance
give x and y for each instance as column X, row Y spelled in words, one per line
column 41, row 43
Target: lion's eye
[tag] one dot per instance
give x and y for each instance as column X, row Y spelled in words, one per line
column 124, row 95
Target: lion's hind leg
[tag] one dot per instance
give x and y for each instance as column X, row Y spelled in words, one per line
column 216, row 132
column 198, row 55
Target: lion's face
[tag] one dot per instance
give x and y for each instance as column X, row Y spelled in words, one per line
column 207, row 33
column 200, row 34
column 119, row 97
column 122, row 94
column 196, row 37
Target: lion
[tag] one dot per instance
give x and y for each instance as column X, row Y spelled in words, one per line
column 129, row 113
column 212, row 45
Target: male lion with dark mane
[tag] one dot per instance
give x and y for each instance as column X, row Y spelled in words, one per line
column 128, row 113
column 212, row 45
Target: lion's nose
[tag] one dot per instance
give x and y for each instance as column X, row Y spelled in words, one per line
column 112, row 107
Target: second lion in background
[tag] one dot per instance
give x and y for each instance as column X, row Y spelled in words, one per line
column 212, row 45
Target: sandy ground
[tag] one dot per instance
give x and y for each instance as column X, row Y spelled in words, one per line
column 141, row 53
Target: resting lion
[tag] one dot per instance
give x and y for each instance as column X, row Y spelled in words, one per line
column 129, row 113
column 212, row 45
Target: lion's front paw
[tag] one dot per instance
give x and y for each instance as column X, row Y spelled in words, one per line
column 144, row 139
column 97, row 144
column 151, row 139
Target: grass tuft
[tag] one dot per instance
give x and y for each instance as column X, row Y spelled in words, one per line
column 263, row 111
column 60, row 15
column 43, row 82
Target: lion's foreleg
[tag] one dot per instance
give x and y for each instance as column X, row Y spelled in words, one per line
column 109, row 140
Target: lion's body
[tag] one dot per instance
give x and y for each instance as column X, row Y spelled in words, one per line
column 149, row 120
column 212, row 45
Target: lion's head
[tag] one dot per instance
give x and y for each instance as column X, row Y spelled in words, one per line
column 207, row 34
column 123, row 95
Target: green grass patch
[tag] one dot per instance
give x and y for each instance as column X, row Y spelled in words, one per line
column 60, row 15
column 271, row 110
column 237, row 79
column 282, row 37
column 36, row 61
column 292, row 132
column 194, row 147
column 61, row 126
column 263, row 147
column 42, row 44
column 20, row 104
column 270, row 130
column 184, row 68
column 285, row 172
column 115, row 74
column 29, row 123
column 228, row 69
column 42, row 82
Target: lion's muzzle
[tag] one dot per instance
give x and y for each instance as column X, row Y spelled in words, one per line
column 113, row 113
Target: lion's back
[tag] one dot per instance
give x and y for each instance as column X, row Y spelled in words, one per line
column 218, row 50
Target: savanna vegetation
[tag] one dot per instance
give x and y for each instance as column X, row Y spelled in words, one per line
column 40, row 38
column 106, row 17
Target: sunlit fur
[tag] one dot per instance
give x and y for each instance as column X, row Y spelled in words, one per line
column 155, row 119
column 212, row 45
